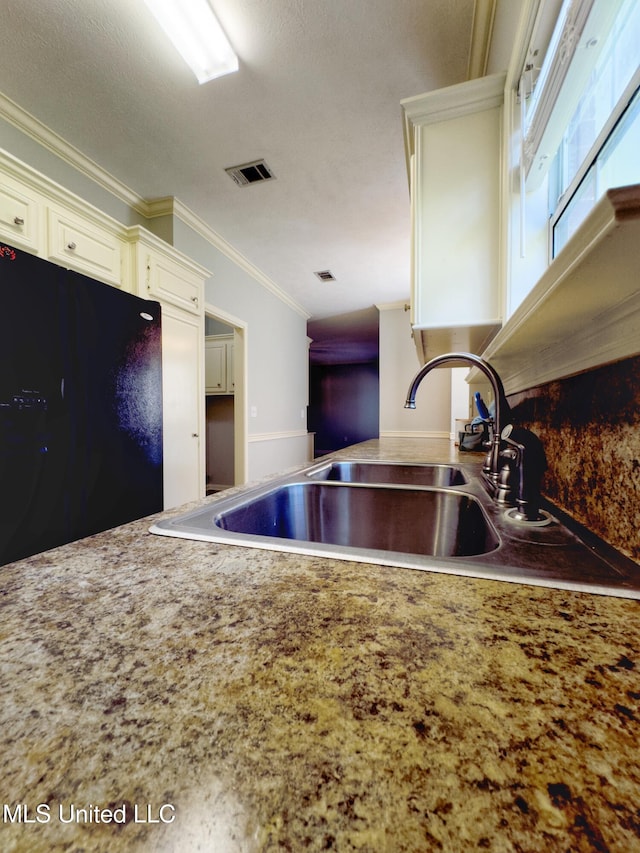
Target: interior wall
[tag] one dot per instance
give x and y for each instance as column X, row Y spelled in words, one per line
column 277, row 356
column 219, row 425
column 220, row 449
column 30, row 151
column 216, row 327
column 398, row 365
column 343, row 405
column 590, row 428
column 344, row 379
column 273, row 453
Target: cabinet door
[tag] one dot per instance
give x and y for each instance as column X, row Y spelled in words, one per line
column 170, row 282
column 231, row 384
column 82, row 246
column 183, row 401
column 20, row 212
column 454, row 138
column 215, row 367
column 457, row 182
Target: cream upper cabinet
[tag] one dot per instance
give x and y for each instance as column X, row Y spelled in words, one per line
column 167, row 277
column 218, row 364
column 215, row 366
column 20, row 215
column 79, row 244
column 453, row 143
column 39, row 217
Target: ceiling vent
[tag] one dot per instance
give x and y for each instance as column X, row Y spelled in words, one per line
column 325, row 275
column 256, row 172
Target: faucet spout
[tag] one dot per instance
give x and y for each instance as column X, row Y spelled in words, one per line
column 502, row 409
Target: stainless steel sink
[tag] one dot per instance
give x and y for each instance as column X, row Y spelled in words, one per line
column 449, row 523
column 398, row 473
column 437, row 523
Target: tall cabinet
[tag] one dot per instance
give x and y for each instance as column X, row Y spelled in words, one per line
column 178, row 284
column 41, row 217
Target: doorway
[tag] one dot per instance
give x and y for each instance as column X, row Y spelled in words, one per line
column 225, row 400
column 344, row 379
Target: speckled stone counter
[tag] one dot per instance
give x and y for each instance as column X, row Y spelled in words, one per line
column 160, row 694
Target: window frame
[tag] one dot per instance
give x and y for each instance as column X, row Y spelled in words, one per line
column 590, row 161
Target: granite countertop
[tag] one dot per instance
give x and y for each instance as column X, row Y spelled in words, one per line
column 160, row 694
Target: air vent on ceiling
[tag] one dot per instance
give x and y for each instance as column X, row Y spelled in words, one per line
column 325, row 275
column 256, row 172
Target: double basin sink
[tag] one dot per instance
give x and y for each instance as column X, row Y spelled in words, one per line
column 432, row 517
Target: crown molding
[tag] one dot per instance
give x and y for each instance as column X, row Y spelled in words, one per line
column 156, row 207
column 484, row 12
column 182, row 212
column 171, row 206
column 55, row 192
column 49, row 139
column 148, row 208
column 472, row 96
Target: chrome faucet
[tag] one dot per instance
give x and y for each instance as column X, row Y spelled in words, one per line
column 507, row 460
column 502, row 411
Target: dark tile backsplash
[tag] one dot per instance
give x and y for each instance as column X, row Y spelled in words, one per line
column 590, row 427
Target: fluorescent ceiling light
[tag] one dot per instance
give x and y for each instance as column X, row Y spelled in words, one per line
column 197, row 35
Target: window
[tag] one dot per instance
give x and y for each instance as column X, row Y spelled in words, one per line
column 582, row 120
column 616, row 164
column 575, row 126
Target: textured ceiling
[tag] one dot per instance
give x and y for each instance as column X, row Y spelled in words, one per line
column 317, row 95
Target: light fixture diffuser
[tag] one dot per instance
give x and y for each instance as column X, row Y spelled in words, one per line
column 197, row 35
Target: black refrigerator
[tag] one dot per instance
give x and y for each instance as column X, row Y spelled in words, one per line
column 80, row 406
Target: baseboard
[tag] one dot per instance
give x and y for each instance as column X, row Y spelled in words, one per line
column 274, row 436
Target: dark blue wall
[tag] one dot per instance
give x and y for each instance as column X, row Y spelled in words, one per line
column 344, row 404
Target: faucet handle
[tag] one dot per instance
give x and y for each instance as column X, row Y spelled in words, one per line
column 526, row 451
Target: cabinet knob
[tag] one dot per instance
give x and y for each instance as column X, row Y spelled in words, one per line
column 194, row 299
column 71, row 246
column 194, row 435
column 18, row 220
